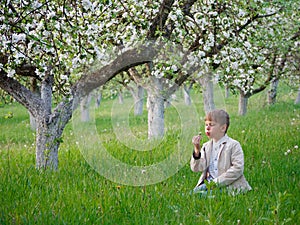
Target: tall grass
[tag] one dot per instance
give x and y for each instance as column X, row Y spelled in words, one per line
column 77, row 194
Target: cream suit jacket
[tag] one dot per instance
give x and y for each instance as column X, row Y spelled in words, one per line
column 230, row 165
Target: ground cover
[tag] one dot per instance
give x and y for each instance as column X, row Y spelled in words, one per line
column 77, row 194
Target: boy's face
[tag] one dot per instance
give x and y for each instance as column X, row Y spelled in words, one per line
column 214, row 130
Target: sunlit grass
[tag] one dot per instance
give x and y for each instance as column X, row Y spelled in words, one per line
column 77, row 194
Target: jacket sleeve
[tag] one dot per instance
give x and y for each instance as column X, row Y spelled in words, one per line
column 199, row 165
column 234, row 165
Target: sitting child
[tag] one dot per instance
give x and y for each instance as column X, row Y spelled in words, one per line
column 221, row 159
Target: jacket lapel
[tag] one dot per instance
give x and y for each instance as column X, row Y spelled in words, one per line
column 222, row 147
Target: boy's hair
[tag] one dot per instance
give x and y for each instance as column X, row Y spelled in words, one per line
column 220, row 116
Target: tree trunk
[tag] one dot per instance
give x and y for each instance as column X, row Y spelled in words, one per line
column 98, row 98
column 85, row 108
column 297, row 100
column 186, row 94
column 35, row 90
column 50, row 126
column 49, row 135
column 168, row 102
column 272, row 93
column 47, row 143
column 155, row 106
column 138, row 97
column 208, row 92
column 227, row 91
column 120, row 96
column 32, row 121
column 243, row 103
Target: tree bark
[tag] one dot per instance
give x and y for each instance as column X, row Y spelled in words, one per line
column 85, row 108
column 186, row 94
column 243, row 103
column 138, row 97
column 35, row 89
column 50, row 125
column 227, row 91
column 32, row 121
column 208, row 92
column 155, row 106
column 98, row 98
column 272, row 93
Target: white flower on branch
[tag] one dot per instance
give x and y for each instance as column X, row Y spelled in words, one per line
column 11, row 72
column 247, row 44
column 18, row 38
column 87, row 5
column 235, row 65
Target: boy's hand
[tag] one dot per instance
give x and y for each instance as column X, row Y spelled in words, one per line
column 196, row 142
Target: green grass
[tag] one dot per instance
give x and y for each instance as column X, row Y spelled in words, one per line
column 77, row 194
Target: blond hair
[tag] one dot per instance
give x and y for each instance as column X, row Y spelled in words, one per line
column 220, row 116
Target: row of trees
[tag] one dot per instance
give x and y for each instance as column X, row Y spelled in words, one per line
column 53, row 54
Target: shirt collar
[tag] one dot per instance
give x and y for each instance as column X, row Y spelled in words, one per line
column 223, row 140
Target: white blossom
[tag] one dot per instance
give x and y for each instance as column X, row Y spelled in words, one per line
column 241, row 13
column 87, row 5
column 235, row 65
column 64, row 77
column 11, row 72
column 18, row 37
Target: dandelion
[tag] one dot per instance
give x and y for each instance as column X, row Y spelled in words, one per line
column 296, row 146
column 287, row 152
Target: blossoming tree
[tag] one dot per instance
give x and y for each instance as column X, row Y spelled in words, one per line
column 64, row 46
column 54, row 42
column 263, row 54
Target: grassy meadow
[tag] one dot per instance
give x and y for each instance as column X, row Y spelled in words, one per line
column 77, row 194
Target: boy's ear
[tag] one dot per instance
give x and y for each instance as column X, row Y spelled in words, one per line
column 223, row 127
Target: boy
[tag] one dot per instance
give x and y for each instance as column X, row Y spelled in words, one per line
column 221, row 159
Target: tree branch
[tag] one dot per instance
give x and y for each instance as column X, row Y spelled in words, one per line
column 19, row 92
column 158, row 23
